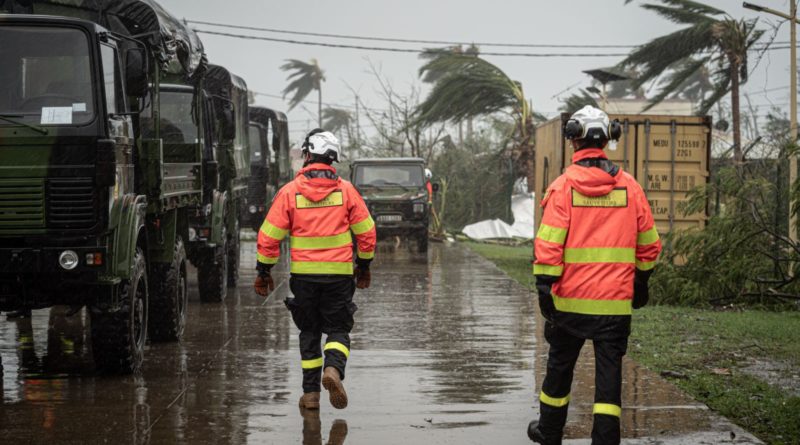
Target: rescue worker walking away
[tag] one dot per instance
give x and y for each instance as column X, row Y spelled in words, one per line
column 319, row 210
column 595, row 250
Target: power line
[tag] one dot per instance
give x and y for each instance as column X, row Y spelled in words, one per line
column 781, row 45
column 400, row 40
column 400, row 50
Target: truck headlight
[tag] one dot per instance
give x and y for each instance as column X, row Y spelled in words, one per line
column 419, row 207
column 252, row 209
column 192, row 234
column 207, row 209
column 68, row 259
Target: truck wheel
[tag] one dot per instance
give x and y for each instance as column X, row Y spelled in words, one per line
column 212, row 272
column 119, row 335
column 169, row 297
column 234, row 257
column 422, row 242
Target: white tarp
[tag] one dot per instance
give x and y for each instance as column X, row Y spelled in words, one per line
column 521, row 207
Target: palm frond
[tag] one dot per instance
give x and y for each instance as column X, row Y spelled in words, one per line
column 305, row 77
column 469, row 88
column 335, row 119
column 676, row 81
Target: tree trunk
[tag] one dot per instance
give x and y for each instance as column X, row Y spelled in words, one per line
column 737, row 125
column 319, row 105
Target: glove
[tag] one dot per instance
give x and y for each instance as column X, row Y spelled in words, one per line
column 264, row 284
column 641, row 294
column 363, row 277
column 641, row 291
column 546, row 305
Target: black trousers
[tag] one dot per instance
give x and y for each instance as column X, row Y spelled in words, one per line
column 554, row 400
column 322, row 306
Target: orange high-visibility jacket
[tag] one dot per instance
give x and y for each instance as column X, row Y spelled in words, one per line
column 318, row 212
column 595, row 231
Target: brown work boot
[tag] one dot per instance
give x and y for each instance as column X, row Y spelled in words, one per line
column 332, row 381
column 310, row 400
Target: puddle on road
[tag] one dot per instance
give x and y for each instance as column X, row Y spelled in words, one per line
column 443, row 352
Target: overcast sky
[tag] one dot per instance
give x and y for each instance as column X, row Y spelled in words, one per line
column 580, row 22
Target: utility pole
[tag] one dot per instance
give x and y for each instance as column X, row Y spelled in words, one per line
column 358, row 127
column 792, row 18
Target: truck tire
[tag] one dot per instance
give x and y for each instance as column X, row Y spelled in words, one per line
column 212, row 272
column 422, row 242
column 119, row 336
column 234, row 255
column 169, row 297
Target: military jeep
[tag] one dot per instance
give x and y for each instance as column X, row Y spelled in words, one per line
column 394, row 190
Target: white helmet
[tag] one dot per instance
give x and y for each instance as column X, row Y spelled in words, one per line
column 592, row 123
column 322, row 143
column 428, row 173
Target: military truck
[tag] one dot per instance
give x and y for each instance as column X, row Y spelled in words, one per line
column 270, row 164
column 394, row 190
column 95, row 193
column 221, row 115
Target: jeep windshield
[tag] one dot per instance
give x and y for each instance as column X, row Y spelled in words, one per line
column 46, row 76
column 406, row 176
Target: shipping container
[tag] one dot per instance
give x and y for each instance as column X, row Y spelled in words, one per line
column 668, row 156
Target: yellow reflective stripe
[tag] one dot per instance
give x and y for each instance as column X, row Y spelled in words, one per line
column 592, row 307
column 266, row 259
column 366, row 255
column 546, row 269
column 313, row 363
column 645, row 265
column 648, row 237
column 552, row 234
column 557, row 402
column 272, row 231
column 321, row 242
column 338, row 347
column 363, row 227
column 607, row 408
column 322, row 268
column 600, row 255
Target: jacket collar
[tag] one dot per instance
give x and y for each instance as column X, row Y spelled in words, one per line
column 588, row 153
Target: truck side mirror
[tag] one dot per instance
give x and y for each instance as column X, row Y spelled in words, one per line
column 435, row 187
column 226, row 117
column 136, row 71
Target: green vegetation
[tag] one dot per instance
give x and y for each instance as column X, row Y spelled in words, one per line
column 712, row 355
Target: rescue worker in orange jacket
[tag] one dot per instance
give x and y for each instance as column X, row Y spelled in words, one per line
column 319, row 211
column 595, row 249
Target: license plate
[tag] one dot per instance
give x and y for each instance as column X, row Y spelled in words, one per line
column 389, row 218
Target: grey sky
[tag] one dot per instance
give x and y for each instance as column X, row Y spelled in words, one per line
column 518, row 21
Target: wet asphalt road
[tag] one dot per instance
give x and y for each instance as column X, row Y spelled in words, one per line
column 446, row 350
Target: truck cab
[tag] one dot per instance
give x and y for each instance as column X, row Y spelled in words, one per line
column 395, row 191
column 270, row 164
column 93, row 199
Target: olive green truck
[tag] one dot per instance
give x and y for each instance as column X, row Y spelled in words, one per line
column 123, row 156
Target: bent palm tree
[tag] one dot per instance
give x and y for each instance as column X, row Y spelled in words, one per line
column 466, row 86
column 712, row 38
column 305, row 78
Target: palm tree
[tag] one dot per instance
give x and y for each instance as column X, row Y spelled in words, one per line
column 466, row 86
column 336, row 119
column 711, row 38
column 307, row 77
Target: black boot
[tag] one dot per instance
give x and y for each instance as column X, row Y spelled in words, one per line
column 535, row 434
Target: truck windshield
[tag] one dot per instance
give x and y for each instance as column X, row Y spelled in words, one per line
column 177, row 118
column 46, row 76
column 258, row 148
column 388, row 175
